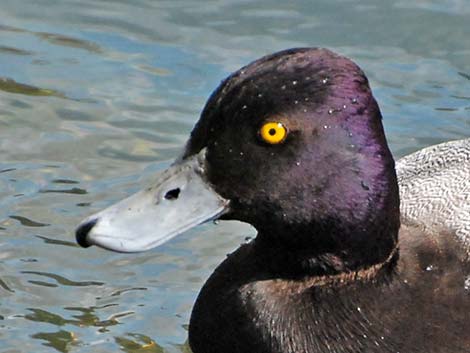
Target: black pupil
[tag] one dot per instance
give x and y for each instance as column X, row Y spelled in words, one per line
column 272, row 131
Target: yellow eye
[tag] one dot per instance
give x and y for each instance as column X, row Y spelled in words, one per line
column 273, row 133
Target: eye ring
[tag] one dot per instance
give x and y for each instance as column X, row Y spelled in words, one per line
column 273, row 132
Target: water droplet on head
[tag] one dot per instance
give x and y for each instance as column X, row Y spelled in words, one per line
column 283, row 87
column 354, row 100
column 244, row 107
column 344, row 106
column 241, row 153
column 325, row 126
column 306, row 99
column 294, row 82
column 325, row 80
column 331, row 111
column 260, row 95
column 296, row 102
column 305, row 110
column 430, row 268
column 297, row 163
column 307, row 78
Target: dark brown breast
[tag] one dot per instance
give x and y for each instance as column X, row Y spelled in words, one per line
column 418, row 303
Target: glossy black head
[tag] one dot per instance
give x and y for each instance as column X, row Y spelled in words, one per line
column 330, row 186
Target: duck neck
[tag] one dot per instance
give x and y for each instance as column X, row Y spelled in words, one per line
column 320, row 251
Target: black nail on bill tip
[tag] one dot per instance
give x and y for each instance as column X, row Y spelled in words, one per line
column 82, row 232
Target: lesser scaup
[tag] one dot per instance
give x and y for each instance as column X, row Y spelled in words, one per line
column 293, row 144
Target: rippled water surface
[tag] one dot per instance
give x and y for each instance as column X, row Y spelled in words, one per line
column 97, row 96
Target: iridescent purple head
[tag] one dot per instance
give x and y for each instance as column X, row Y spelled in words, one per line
column 330, row 185
column 293, row 144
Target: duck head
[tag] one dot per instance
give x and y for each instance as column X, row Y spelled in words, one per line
column 293, row 144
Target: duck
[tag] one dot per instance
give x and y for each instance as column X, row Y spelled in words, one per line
column 293, row 144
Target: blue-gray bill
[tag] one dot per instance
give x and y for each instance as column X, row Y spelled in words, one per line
column 179, row 199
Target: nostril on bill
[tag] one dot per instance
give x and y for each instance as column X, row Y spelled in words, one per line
column 82, row 232
column 172, row 194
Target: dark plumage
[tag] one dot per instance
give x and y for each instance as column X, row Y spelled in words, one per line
column 330, row 270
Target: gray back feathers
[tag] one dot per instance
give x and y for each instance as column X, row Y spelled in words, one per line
column 435, row 188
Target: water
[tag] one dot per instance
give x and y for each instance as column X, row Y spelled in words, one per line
column 97, row 96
